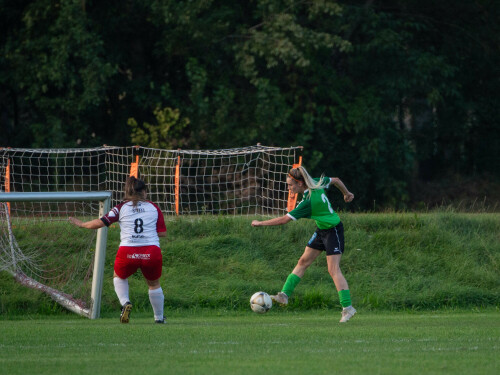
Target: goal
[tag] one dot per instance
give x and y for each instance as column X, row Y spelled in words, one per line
column 43, row 251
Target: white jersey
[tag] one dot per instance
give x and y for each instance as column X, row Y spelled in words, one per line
column 139, row 225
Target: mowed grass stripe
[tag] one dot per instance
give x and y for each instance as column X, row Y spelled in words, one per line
column 280, row 342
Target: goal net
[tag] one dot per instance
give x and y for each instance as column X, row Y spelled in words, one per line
column 37, row 243
column 41, row 250
column 238, row 181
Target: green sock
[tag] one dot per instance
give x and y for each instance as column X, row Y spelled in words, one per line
column 291, row 282
column 345, row 297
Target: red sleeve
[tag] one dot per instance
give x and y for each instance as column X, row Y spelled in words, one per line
column 160, row 224
column 112, row 216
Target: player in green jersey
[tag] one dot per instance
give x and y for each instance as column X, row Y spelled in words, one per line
column 329, row 236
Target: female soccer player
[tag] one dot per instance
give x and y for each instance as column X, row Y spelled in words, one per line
column 141, row 225
column 329, row 236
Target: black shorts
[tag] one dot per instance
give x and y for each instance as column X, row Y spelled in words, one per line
column 329, row 240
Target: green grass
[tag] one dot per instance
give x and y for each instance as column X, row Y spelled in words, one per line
column 280, row 342
column 393, row 261
column 426, row 286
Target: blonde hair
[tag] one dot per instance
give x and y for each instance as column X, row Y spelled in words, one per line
column 300, row 174
column 134, row 190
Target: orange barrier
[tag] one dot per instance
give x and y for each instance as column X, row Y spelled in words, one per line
column 7, row 182
column 292, row 197
column 177, row 183
column 134, row 167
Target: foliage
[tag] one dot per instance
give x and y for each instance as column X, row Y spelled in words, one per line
column 56, row 72
column 386, row 95
column 167, row 134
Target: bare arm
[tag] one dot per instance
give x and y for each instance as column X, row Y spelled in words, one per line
column 276, row 221
column 348, row 196
column 93, row 224
column 162, row 234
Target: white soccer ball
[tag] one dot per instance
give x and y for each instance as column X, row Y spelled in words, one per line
column 260, row 302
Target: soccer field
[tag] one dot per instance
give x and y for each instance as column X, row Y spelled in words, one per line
column 280, row 342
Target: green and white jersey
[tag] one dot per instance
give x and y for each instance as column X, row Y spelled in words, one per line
column 315, row 205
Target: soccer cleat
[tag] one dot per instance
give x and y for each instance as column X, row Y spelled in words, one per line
column 347, row 313
column 160, row 321
column 280, row 298
column 125, row 315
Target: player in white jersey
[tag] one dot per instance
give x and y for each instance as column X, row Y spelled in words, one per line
column 141, row 225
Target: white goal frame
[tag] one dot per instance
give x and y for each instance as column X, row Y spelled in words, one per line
column 104, row 199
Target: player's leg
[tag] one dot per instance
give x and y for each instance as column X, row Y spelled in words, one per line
column 123, row 268
column 348, row 311
column 335, row 272
column 294, row 278
column 157, row 299
column 151, row 268
column 334, row 244
column 121, row 289
column 307, row 258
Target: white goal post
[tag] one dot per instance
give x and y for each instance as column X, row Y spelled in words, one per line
column 11, row 255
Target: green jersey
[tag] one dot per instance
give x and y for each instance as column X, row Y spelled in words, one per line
column 315, row 205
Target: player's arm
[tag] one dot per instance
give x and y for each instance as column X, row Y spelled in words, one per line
column 162, row 234
column 301, row 211
column 276, row 221
column 348, row 196
column 93, row 224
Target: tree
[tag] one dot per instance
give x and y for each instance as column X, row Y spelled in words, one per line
column 386, row 94
column 55, row 74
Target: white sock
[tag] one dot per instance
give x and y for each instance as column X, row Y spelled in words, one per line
column 157, row 299
column 121, row 289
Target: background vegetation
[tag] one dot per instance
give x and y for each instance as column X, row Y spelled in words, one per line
column 399, row 98
column 392, row 262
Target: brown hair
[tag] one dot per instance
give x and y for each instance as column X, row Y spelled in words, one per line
column 134, row 190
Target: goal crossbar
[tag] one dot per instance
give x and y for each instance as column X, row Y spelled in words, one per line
column 56, row 196
column 104, row 199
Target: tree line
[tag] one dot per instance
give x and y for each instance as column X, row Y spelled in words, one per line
column 398, row 98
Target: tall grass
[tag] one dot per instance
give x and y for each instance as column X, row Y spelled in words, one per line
column 393, row 261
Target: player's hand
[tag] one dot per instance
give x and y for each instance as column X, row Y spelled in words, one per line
column 75, row 221
column 256, row 223
column 348, row 197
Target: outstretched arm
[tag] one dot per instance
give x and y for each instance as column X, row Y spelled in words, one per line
column 348, row 196
column 276, row 221
column 93, row 224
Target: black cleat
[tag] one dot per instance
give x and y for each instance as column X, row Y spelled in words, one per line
column 125, row 315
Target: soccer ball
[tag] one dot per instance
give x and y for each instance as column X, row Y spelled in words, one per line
column 260, row 302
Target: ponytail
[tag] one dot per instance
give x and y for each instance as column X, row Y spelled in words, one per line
column 300, row 174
